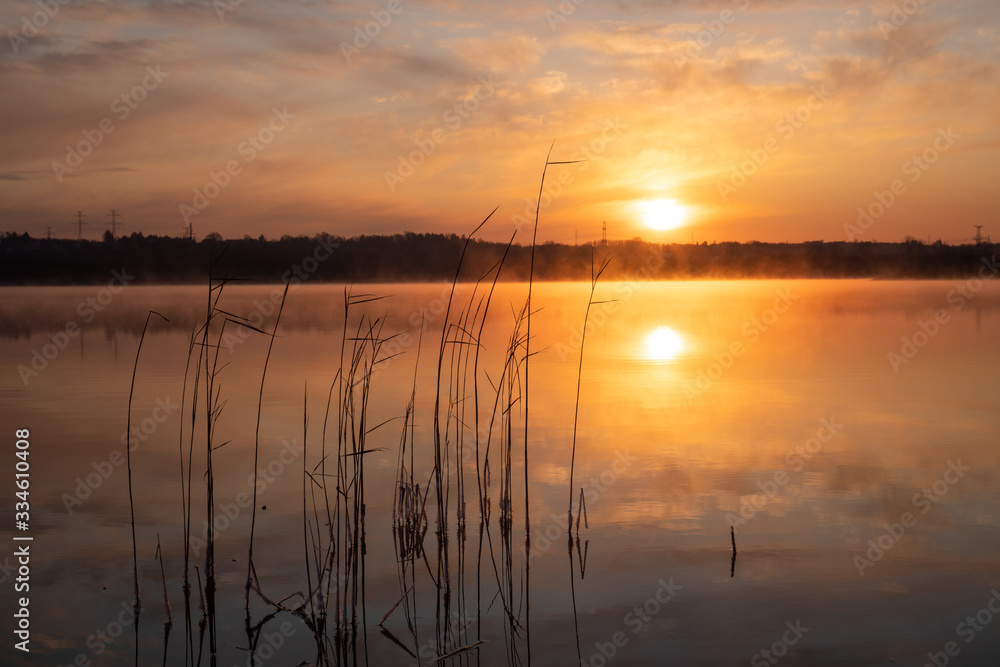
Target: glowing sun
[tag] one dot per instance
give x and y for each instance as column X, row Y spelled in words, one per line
column 663, row 214
column 663, row 344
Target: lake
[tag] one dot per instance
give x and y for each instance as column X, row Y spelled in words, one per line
column 845, row 430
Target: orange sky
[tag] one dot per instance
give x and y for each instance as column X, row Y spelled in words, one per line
column 766, row 121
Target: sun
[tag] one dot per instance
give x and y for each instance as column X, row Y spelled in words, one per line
column 663, row 214
column 663, row 344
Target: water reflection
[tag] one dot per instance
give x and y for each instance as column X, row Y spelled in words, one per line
column 740, row 445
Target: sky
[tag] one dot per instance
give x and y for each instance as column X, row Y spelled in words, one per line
column 691, row 120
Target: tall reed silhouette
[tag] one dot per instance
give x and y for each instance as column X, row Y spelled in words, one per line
column 128, row 461
column 594, row 277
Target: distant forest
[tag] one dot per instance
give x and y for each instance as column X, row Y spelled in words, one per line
column 435, row 257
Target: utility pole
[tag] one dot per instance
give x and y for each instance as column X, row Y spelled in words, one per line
column 79, row 225
column 978, row 238
column 604, row 234
column 114, row 222
column 48, row 233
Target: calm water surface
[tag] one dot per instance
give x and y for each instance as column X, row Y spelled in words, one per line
column 847, row 429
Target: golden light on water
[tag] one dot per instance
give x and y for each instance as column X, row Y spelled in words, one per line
column 664, row 344
column 663, row 214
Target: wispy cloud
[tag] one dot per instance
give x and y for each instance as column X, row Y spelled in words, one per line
column 698, row 83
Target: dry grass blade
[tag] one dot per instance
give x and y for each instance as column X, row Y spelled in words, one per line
column 393, row 607
column 256, row 440
column 460, row 650
column 163, row 578
column 128, row 458
column 595, row 276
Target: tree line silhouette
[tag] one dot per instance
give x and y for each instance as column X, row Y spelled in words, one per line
column 412, row 257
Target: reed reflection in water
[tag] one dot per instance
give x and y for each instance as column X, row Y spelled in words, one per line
column 669, row 450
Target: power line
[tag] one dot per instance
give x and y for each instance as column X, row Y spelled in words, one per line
column 978, row 239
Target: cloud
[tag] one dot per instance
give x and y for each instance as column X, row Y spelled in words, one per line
column 509, row 52
column 684, row 87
